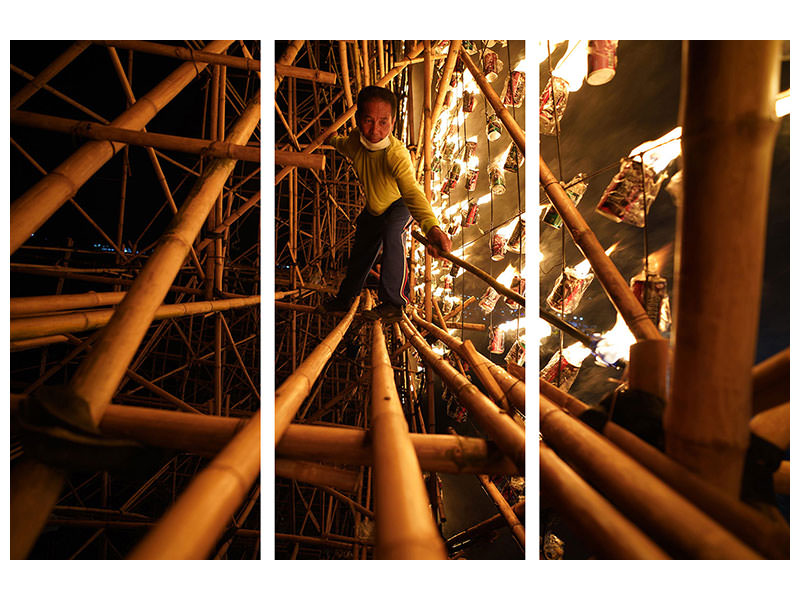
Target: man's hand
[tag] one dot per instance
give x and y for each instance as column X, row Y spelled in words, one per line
column 439, row 241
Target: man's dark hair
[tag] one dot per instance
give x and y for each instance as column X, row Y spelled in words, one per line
column 374, row 92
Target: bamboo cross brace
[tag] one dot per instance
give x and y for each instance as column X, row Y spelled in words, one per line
column 187, row 54
column 508, row 293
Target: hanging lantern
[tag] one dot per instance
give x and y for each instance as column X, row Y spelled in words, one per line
column 514, row 89
column 489, row 300
column 471, row 216
column 497, row 340
column 497, row 181
column 514, row 159
column 468, row 101
column 494, row 127
column 623, row 200
column 471, row 181
column 602, row 61
column 517, row 285
column 563, row 367
column 548, row 113
column 498, row 245
column 575, row 284
column 491, row 65
column 651, row 291
column 436, row 164
column 516, row 241
column 449, row 149
column 470, row 151
column 517, row 353
column 575, row 190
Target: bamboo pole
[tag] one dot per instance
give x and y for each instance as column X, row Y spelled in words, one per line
column 27, row 305
column 317, row 474
column 36, row 326
column 513, row 388
column 37, row 342
column 36, row 205
column 318, row 141
column 499, row 426
column 348, row 94
column 507, row 292
column 47, row 74
column 609, row 532
column 309, row 74
column 615, row 286
column 475, row 532
column 771, row 382
column 727, row 142
column 133, row 137
column 194, row 523
column 436, row 452
column 331, row 540
column 231, row 219
column 673, row 522
column 404, row 525
column 290, row 395
column 514, row 130
column 765, row 535
column 187, row 54
column 287, row 58
column 773, row 425
column 517, row 530
column 298, row 159
column 481, row 370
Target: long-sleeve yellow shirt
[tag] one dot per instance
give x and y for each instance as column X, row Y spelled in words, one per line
column 386, row 175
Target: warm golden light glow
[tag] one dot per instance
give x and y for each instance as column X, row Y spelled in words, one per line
column 574, row 65
column 658, row 153
column 616, row 342
column 782, row 104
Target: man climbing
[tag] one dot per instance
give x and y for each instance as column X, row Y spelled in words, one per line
column 393, row 197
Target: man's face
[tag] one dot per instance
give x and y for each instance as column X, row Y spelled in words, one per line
column 375, row 120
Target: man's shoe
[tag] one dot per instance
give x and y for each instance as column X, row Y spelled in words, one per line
column 389, row 313
column 335, row 306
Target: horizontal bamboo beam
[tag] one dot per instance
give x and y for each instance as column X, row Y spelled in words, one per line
column 497, row 423
column 96, row 131
column 290, row 395
column 466, row 326
column 768, row 537
column 332, row 541
column 317, row 474
column 195, row 522
column 315, row 162
column 608, row 275
column 28, row 305
column 513, row 388
column 675, row 524
column 200, row 56
column 514, row 130
column 302, row 73
column 32, row 327
column 507, row 292
column 611, row 535
column 37, row 342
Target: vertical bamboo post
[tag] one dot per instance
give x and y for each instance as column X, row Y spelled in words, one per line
column 287, row 58
column 348, row 93
column 405, row 528
column 365, row 62
column 36, row 205
column 428, row 153
column 729, row 128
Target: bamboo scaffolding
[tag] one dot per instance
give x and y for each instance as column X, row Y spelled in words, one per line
column 615, row 286
column 436, row 452
column 404, row 525
column 730, row 137
column 47, row 74
column 44, row 304
column 317, row 474
column 508, row 293
column 513, row 388
column 673, row 522
column 472, row 534
column 187, row 54
column 517, row 530
column 133, row 137
column 287, row 58
column 309, row 74
column 36, row 205
column 38, row 326
column 499, row 426
column 192, row 526
column 610, row 534
column 298, row 159
column 348, row 94
column 332, row 540
column 514, row 130
column 296, row 387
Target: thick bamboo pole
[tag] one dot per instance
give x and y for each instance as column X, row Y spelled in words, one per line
column 28, row 305
column 309, row 74
column 290, row 395
column 517, row 530
column 102, row 370
column 769, row 537
column 133, row 137
column 31, row 327
column 514, row 130
column 317, row 474
column 727, row 142
column 609, row 532
column 36, row 205
column 771, row 382
column 348, row 94
column 773, row 425
column 298, row 159
column 37, row 342
column 287, row 58
column 513, row 388
column 500, row 427
column 192, row 526
column 435, row 452
column 615, row 286
column 404, row 525
column 484, row 376
column 47, row 74
column 187, row 54
column 507, row 292
column 673, row 522
column 318, row 141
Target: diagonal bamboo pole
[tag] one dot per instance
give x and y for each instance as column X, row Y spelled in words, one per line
column 615, row 286
column 499, row 426
column 728, row 141
column 303, row 73
column 517, row 530
column 287, row 58
column 194, row 523
column 290, row 395
column 405, row 528
column 187, row 54
column 36, row 205
column 47, row 74
column 475, row 532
